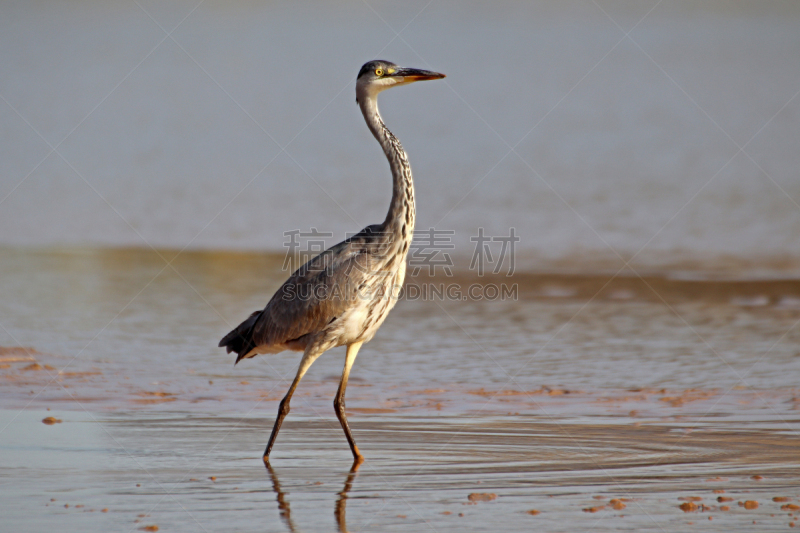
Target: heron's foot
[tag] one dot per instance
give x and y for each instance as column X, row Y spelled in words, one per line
column 358, row 459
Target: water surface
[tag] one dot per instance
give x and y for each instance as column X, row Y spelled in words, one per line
column 624, row 147
column 648, row 389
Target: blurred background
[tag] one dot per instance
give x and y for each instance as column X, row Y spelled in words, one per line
column 602, row 131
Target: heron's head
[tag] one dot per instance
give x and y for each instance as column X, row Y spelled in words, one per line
column 376, row 76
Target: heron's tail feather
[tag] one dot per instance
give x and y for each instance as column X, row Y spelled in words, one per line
column 240, row 340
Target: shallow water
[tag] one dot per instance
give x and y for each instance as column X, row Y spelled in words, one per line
column 186, row 472
column 648, row 389
column 624, row 146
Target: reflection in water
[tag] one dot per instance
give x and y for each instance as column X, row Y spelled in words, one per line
column 339, row 510
column 341, row 503
column 283, row 506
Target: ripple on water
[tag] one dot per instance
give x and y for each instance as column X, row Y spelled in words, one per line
column 178, row 467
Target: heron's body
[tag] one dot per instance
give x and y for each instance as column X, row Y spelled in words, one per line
column 342, row 296
column 316, row 309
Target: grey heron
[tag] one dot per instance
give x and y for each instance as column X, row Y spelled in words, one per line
column 343, row 295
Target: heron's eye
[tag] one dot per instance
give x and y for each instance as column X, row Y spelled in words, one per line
column 379, row 72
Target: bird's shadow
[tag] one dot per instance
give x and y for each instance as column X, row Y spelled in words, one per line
column 339, row 510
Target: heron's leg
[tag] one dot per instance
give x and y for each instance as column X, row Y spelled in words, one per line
column 338, row 402
column 309, row 357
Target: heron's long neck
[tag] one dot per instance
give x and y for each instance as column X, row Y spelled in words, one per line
column 399, row 221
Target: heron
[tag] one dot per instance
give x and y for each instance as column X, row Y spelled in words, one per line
column 343, row 295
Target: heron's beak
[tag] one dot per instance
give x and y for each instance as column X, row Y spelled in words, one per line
column 408, row 75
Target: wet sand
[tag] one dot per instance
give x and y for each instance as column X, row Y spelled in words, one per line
column 106, row 454
column 188, row 472
column 579, row 405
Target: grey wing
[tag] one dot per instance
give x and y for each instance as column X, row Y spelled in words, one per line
column 312, row 298
column 315, row 295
